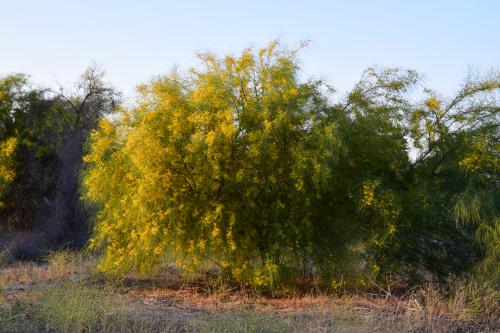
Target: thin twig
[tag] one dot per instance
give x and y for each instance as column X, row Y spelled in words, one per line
column 387, row 293
column 424, row 314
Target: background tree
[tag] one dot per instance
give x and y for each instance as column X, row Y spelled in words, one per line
column 427, row 214
column 48, row 129
column 456, row 176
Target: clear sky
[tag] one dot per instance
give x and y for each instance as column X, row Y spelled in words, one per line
column 134, row 40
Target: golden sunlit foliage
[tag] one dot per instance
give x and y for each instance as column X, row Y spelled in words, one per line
column 7, row 166
column 11, row 99
column 223, row 161
column 242, row 162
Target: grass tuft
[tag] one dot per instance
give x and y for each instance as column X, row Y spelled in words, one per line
column 63, row 259
column 76, row 308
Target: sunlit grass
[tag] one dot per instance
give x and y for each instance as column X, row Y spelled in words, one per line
column 74, row 307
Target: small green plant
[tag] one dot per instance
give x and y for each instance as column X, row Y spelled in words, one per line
column 74, row 307
column 62, row 259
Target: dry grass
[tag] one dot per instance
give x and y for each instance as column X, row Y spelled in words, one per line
column 63, row 294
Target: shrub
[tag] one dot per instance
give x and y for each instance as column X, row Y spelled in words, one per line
column 242, row 162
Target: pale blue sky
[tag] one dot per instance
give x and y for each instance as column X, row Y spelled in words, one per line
column 134, row 40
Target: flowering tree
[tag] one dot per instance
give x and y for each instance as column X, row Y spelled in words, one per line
column 240, row 161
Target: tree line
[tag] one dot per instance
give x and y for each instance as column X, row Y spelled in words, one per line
column 243, row 162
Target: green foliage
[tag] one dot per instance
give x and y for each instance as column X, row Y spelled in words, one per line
column 12, row 100
column 241, row 162
column 27, row 146
column 12, row 97
column 7, row 167
column 226, row 162
column 451, row 188
column 41, row 139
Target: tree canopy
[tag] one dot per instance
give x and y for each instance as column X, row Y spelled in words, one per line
column 41, row 139
column 243, row 162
